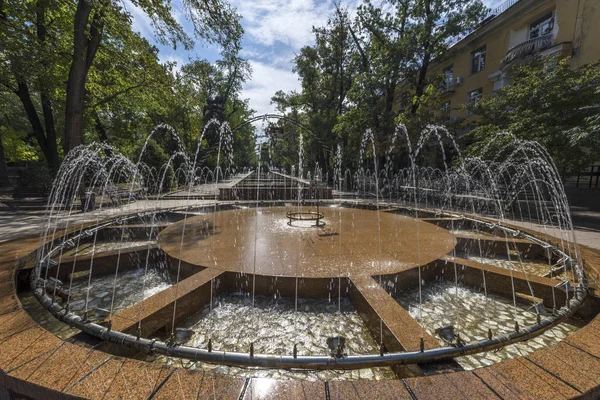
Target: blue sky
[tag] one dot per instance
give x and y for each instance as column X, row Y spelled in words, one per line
column 275, row 30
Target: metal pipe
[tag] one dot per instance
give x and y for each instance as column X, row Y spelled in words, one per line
column 308, row 362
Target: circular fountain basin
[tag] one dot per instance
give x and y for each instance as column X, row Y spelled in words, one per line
column 352, row 242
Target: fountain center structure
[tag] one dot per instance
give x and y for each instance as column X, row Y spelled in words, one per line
column 260, row 241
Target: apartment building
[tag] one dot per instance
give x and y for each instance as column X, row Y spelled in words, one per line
column 476, row 66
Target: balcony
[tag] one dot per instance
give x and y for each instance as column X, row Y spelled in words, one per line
column 528, row 48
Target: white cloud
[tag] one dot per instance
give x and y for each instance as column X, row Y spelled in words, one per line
column 266, row 80
column 287, row 21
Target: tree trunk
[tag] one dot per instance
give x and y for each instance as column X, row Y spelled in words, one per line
column 84, row 51
column 48, row 147
column 422, row 78
column 51, row 150
column 421, row 82
column 3, row 167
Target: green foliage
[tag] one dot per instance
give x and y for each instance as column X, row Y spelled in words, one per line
column 36, row 175
column 350, row 77
column 16, row 145
column 551, row 103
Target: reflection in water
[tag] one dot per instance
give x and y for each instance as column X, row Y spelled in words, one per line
column 537, row 268
column 129, row 288
column 472, row 315
column 273, row 326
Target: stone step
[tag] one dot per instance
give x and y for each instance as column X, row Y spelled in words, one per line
column 156, row 312
column 401, row 331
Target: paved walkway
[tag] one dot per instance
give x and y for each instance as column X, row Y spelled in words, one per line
column 586, row 237
column 15, row 224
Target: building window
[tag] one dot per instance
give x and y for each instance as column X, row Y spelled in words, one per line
column 473, row 98
column 448, row 77
column 446, row 108
column 542, row 26
column 478, row 60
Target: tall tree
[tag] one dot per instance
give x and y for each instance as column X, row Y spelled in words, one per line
column 326, row 71
column 213, row 21
column 33, row 48
column 548, row 102
column 71, row 63
column 435, row 24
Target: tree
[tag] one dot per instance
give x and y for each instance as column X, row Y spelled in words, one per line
column 33, row 36
column 548, row 102
column 215, row 90
column 77, row 67
column 435, row 25
column 213, row 21
column 326, row 71
column 355, row 76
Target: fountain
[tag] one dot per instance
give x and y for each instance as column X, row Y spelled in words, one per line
column 357, row 270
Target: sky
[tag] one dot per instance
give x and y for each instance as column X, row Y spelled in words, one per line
column 275, row 30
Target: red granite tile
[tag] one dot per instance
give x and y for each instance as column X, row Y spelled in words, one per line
column 345, row 390
column 74, row 363
column 434, row 387
column 182, row 384
column 392, row 389
column 587, row 340
column 527, row 379
column 9, row 303
column 268, row 389
column 137, row 380
column 401, row 325
column 97, row 383
column 15, row 344
column 470, row 385
column 42, row 346
column 501, row 387
column 155, row 307
column 313, row 390
column 571, row 365
column 595, row 323
column 14, row 322
column 6, row 275
column 215, row 386
column 8, row 298
column 26, row 369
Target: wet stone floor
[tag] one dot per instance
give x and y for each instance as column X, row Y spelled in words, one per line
column 472, row 314
column 274, row 326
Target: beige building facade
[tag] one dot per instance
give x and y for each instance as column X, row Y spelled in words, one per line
column 476, row 66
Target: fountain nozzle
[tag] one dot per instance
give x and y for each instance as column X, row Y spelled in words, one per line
column 182, row 335
column 336, row 344
column 101, row 313
column 447, row 334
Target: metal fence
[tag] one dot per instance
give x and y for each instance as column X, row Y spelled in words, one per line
column 502, row 7
column 589, row 178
